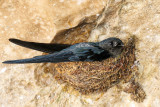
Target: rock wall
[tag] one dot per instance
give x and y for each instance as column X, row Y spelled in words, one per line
column 40, row 20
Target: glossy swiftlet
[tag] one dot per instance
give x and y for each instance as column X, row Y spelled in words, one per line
column 85, row 51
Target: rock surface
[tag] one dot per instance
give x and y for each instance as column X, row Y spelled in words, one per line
column 40, row 20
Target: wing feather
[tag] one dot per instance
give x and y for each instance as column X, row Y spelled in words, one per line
column 43, row 47
column 73, row 53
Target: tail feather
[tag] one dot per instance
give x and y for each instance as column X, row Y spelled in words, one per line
column 21, row 61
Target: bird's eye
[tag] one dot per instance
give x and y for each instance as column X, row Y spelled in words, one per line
column 111, row 43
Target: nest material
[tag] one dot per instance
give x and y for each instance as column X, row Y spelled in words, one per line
column 89, row 77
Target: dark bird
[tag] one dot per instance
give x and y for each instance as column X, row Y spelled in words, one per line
column 85, row 51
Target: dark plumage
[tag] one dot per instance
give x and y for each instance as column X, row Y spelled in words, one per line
column 86, row 51
column 43, row 47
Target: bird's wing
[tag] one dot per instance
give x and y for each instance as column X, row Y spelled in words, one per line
column 54, row 58
column 43, row 47
column 70, row 55
column 88, row 54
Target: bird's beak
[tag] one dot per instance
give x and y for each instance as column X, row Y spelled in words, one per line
column 122, row 45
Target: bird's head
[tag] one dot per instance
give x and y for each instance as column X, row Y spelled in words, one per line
column 113, row 45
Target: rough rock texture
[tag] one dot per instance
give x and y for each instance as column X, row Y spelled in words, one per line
column 40, row 20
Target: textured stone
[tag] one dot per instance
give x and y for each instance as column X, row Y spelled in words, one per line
column 41, row 20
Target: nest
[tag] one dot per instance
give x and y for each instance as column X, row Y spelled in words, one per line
column 87, row 77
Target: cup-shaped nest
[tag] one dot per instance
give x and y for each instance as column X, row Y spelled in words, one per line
column 97, row 76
